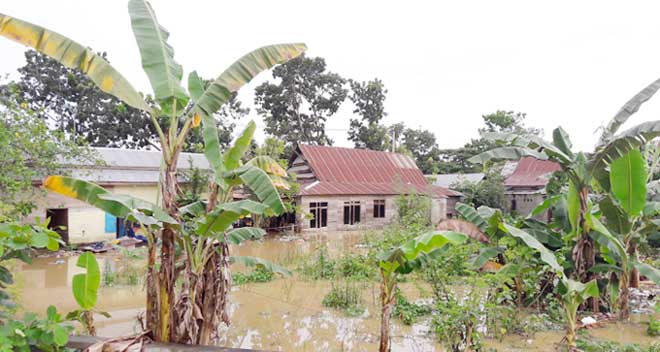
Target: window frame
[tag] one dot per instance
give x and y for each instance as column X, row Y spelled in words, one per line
column 352, row 211
column 379, row 208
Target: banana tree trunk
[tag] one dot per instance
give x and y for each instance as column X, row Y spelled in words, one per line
column 152, row 289
column 387, row 289
column 584, row 252
column 634, row 273
column 165, row 329
column 624, row 304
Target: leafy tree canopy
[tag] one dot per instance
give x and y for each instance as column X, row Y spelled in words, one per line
column 297, row 107
column 367, row 132
column 28, row 152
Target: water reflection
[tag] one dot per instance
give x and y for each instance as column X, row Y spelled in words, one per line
column 285, row 314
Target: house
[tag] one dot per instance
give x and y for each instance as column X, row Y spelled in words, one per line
column 525, row 182
column 132, row 172
column 344, row 188
column 450, row 180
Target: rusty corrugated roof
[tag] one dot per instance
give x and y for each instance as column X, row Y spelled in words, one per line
column 531, row 172
column 361, row 171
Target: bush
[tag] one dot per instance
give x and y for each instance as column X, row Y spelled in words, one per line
column 319, row 267
column 49, row 334
column 408, row 312
column 260, row 274
column 586, row 345
column 355, row 267
column 345, row 296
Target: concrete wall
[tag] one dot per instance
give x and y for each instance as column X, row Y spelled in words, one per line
column 86, row 223
column 367, row 220
column 525, row 203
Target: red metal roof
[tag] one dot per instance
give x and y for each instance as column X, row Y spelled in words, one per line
column 361, row 171
column 531, row 172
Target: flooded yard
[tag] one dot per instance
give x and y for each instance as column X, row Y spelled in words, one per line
column 285, row 314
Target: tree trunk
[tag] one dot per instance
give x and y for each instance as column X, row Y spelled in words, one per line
column 88, row 322
column 152, row 290
column 624, row 306
column 584, row 252
column 165, row 329
column 634, row 273
column 387, row 289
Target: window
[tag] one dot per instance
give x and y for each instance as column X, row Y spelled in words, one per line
column 513, row 205
column 319, row 211
column 351, row 212
column 379, row 208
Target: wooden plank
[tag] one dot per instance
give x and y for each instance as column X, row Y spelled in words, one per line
column 82, row 342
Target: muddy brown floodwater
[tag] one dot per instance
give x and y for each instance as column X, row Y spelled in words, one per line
column 285, row 314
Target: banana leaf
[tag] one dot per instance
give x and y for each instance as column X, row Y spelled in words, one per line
column 72, row 55
column 259, row 262
column 157, row 56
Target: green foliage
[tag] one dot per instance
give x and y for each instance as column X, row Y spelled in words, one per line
column 259, row 274
column 488, row 192
column 17, row 241
column 318, row 267
column 85, row 285
column 413, row 209
column 49, row 335
column 28, row 152
column 355, row 267
column 589, row 345
column 408, row 312
column 296, row 109
column 654, row 326
column 346, row 296
column 367, row 132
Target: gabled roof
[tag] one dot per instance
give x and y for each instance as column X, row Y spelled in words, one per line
column 361, row 171
column 531, row 172
column 129, row 166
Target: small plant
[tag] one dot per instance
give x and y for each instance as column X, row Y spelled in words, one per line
column 587, row 345
column 355, row 267
column 407, row 311
column 85, row 291
column 654, row 326
column 345, row 296
column 259, row 274
column 319, row 267
column 49, row 335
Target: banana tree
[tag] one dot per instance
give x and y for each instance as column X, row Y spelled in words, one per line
column 402, row 260
column 180, row 111
column 571, row 293
column 629, row 217
column 584, row 171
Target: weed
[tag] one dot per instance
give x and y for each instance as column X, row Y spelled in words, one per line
column 259, row 274
column 408, row 312
column 345, row 296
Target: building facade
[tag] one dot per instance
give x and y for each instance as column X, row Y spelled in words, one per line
column 348, row 189
column 131, row 172
column 525, row 184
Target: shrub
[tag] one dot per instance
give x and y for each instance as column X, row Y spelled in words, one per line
column 345, row 296
column 587, row 345
column 260, row 274
column 355, row 267
column 408, row 312
column 49, row 334
column 319, row 267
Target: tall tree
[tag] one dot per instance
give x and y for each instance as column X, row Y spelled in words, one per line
column 422, row 146
column 297, row 107
column 367, row 132
column 71, row 103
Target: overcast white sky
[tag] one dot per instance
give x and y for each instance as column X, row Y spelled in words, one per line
column 568, row 63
